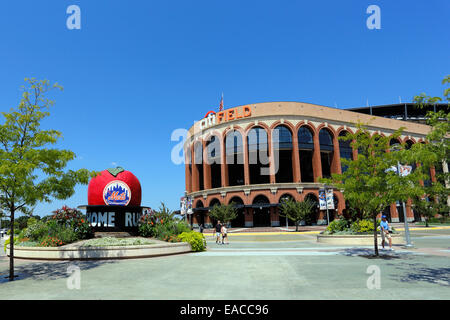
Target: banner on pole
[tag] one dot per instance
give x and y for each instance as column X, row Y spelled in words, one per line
column 322, row 200
column 330, row 199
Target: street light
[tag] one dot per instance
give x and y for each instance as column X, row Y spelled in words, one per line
column 408, row 239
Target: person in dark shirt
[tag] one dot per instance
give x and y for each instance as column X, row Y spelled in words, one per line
column 218, row 231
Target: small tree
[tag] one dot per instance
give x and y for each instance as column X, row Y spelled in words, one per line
column 296, row 211
column 31, row 172
column 370, row 183
column 435, row 153
column 224, row 212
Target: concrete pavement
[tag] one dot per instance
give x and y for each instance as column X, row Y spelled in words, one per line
column 277, row 266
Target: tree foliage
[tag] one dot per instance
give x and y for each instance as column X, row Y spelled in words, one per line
column 435, row 154
column 296, row 211
column 224, row 212
column 31, row 170
column 370, row 183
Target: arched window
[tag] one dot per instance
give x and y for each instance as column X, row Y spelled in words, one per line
column 326, row 152
column 198, row 160
column 189, row 163
column 345, row 149
column 282, row 149
column 214, row 160
column 306, row 151
column 258, row 156
column 261, row 211
column 239, row 221
column 234, row 158
column 312, row 218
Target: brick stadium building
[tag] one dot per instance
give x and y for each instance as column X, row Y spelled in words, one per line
column 233, row 156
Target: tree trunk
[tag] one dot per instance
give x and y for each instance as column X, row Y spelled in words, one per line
column 375, row 240
column 11, row 247
column 296, row 226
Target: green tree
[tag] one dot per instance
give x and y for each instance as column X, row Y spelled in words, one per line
column 31, row 171
column 224, row 212
column 296, row 211
column 370, row 182
column 435, row 153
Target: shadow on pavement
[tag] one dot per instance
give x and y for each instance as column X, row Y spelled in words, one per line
column 49, row 270
column 419, row 273
column 370, row 254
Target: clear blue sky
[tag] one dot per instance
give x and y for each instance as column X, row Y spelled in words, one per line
column 137, row 70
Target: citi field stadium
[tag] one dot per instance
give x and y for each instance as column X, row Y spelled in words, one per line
column 255, row 155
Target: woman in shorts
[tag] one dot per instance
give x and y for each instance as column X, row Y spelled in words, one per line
column 224, row 235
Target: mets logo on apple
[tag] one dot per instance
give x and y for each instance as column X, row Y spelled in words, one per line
column 117, row 193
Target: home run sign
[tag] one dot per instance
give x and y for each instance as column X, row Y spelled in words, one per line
column 114, row 201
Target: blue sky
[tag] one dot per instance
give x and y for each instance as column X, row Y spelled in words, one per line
column 137, row 70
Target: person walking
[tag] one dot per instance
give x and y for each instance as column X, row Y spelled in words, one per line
column 385, row 233
column 224, row 232
column 218, row 231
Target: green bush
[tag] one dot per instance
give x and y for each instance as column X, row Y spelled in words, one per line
column 8, row 241
column 36, row 231
column 195, row 239
column 338, row 226
column 161, row 226
column 363, row 226
column 65, row 233
column 74, row 220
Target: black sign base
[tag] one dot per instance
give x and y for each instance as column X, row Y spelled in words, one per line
column 114, row 219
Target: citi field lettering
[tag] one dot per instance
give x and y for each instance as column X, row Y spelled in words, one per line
column 212, row 118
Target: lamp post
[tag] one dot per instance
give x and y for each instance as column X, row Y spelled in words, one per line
column 395, row 147
column 408, row 239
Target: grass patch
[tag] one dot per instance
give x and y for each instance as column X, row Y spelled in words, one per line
column 109, row 241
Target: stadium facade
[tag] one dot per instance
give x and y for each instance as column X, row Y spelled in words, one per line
column 255, row 155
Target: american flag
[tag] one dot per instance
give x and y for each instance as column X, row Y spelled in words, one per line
column 221, row 103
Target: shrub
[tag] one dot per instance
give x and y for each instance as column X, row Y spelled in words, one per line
column 72, row 219
column 195, row 239
column 36, row 231
column 50, row 241
column 8, row 241
column 338, row 226
column 162, row 226
column 363, row 226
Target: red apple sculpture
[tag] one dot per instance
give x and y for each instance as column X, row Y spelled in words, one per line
column 114, row 187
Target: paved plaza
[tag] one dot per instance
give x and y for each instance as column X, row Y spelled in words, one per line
column 273, row 265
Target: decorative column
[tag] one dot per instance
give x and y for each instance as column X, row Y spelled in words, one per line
column 295, row 159
column 317, row 164
column 195, row 175
column 274, row 217
column 249, row 218
column 394, row 213
column 271, row 158
column 188, row 176
column 246, row 164
column 336, row 167
column 206, row 169
column 223, row 164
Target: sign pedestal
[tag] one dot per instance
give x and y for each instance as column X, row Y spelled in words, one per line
column 114, row 220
